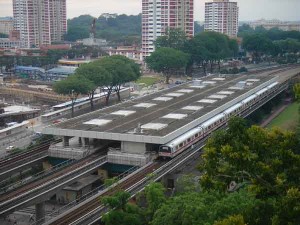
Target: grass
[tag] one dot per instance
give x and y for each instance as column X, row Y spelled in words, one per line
column 288, row 119
column 148, row 81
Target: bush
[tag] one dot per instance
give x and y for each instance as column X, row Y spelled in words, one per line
column 234, row 70
column 243, row 69
column 224, row 71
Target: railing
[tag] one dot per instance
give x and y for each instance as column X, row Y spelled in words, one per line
column 51, row 185
column 36, row 176
column 94, row 216
column 83, row 198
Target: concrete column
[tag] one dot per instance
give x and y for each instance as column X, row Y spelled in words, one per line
column 40, row 213
column 86, row 142
column 80, row 141
column 66, row 141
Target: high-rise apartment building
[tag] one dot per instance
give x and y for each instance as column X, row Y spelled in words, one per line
column 158, row 15
column 222, row 16
column 40, row 22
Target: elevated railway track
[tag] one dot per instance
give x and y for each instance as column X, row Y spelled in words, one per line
column 19, row 162
column 42, row 189
column 90, row 211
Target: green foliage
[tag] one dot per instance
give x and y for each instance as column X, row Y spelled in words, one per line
column 265, row 161
column 252, row 155
column 204, row 208
column 234, row 70
column 110, row 181
column 258, row 45
column 174, row 38
column 296, row 89
column 186, row 184
column 121, row 30
column 155, row 196
column 243, row 69
column 122, row 213
column 288, row 209
column 121, row 70
column 74, row 86
column 211, row 47
column 273, row 34
column 167, row 61
column 232, row 220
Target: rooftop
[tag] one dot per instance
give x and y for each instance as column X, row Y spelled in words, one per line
column 62, row 70
column 17, row 109
column 159, row 117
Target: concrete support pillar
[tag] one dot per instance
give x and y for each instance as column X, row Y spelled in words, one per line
column 80, row 141
column 86, row 142
column 66, row 141
column 40, row 213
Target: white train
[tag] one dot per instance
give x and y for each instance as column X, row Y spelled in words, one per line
column 179, row 144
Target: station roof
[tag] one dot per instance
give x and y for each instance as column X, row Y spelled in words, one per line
column 30, row 68
column 164, row 115
column 62, row 70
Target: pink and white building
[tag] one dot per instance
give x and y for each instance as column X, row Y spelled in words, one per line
column 40, row 22
column 222, row 16
column 158, row 15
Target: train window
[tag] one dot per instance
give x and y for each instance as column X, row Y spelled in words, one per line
column 188, row 140
column 180, row 145
column 196, row 135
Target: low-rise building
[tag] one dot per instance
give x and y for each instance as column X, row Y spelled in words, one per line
column 60, row 72
column 6, row 25
column 17, row 113
column 30, row 72
column 7, row 43
column 131, row 52
column 282, row 25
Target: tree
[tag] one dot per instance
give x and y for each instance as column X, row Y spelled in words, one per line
column 173, row 38
column 210, row 48
column 205, row 208
column 258, row 45
column 232, row 220
column 167, row 61
column 265, row 161
column 155, row 197
column 96, row 74
column 186, row 184
column 121, row 213
column 73, row 86
column 121, row 70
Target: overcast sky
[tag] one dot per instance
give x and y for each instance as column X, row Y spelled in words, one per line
column 249, row 9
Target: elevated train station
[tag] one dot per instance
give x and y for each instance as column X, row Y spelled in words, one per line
column 140, row 126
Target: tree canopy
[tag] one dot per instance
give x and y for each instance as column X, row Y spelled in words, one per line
column 167, row 61
column 211, row 47
column 96, row 74
column 173, row 38
column 258, row 45
column 74, row 86
column 121, row 70
column 204, row 208
column 266, row 162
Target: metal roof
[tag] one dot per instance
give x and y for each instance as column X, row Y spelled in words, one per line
column 156, row 128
